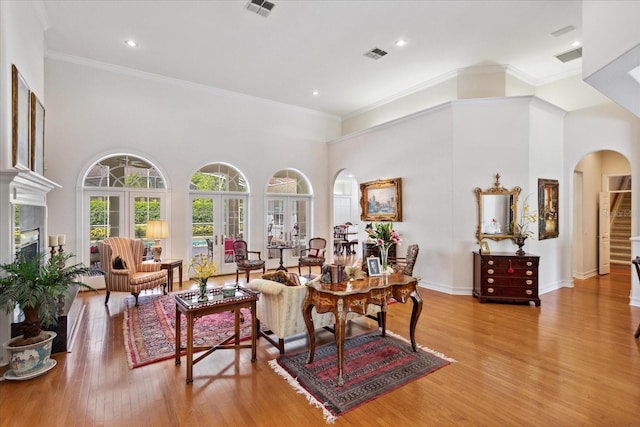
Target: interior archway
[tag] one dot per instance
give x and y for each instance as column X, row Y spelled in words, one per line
column 346, row 211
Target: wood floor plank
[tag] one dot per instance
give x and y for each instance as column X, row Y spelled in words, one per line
column 572, row 361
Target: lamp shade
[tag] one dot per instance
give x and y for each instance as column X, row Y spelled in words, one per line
column 157, row 229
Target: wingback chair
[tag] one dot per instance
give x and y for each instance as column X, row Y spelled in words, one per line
column 134, row 276
column 313, row 255
column 405, row 265
column 243, row 260
column 279, row 309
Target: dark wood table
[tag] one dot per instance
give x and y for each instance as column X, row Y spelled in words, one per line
column 169, row 265
column 281, row 248
column 354, row 296
column 187, row 304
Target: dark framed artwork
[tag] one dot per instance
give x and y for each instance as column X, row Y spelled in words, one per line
column 20, row 119
column 381, row 200
column 548, row 218
column 37, row 135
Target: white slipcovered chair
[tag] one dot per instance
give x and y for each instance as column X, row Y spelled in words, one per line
column 279, row 309
column 136, row 275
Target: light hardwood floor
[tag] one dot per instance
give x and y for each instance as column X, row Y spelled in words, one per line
column 571, row 362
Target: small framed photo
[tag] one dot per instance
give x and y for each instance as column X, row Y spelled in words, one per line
column 373, row 266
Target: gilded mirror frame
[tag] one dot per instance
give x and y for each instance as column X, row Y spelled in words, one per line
column 505, row 208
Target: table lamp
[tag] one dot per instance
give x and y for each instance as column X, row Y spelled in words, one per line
column 157, row 229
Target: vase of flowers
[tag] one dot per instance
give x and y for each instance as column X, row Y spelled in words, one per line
column 202, row 268
column 521, row 228
column 383, row 236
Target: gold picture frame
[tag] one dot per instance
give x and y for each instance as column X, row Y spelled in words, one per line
column 381, row 200
column 20, row 120
column 37, row 135
column 548, row 218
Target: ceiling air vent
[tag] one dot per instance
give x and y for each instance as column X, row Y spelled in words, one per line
column 571, row 55
column 375, row 53
column 261, row 7
column 561, row 31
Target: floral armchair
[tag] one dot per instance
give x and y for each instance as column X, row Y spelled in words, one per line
column 121, row 260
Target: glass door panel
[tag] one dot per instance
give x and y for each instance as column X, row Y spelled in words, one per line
column 233, row 227
column 105, row 219
column 202, row 227
column 145, row 208
column 287, row 223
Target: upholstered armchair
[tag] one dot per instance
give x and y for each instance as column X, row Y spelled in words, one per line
column 279, row 309
column 244, row 262
column 121, row 260
column 313, row 255
column 405, row 264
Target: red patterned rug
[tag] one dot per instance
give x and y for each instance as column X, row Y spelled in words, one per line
column 149, row 329
column 372, row 366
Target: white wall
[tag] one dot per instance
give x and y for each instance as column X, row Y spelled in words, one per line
column 92, row 110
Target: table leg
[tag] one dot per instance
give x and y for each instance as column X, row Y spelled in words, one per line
column 281, row 266
column 308, row 321
column 170, row 278
column 180, row 273
column 415, row 315
column 254, row 332
column 177, row 335
column 236, row 327
column 189, row 319
column 341, row 317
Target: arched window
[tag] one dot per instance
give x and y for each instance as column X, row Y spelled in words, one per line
column 121, row 193
column 219, row 197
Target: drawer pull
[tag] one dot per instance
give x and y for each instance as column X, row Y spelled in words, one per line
column 490, row 271
column 490, row 262
column 490, row 280
column 529, row 292
column 529, row 273
column 529, row 263
column 529, row 282
column 490, row 290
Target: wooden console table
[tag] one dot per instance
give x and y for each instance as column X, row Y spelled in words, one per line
column 187, row 303
column 354, row 296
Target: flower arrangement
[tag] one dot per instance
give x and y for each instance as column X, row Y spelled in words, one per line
column 383, row 236
column 202, row 268
column 525, row 218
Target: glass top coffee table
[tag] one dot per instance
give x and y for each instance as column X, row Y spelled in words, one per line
column 188, row 305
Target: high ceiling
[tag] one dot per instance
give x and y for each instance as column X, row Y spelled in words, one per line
column 307, row 45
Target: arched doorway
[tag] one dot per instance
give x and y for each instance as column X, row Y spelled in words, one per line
column 602, row 213
column 346, row 212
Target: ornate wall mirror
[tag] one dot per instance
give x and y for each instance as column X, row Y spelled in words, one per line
column 496, row 211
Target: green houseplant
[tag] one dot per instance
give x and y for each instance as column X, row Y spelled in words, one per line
column 36, row 285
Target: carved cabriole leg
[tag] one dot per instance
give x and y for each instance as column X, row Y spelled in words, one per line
column 308, row 321
column 106, row 300
column 341, row 317
column 415, row 315
column 135, row 294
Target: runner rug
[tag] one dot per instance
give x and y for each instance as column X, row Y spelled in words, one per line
column 149, row 329
column 372, row 366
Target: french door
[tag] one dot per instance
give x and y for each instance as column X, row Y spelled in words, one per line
column 117, row 213
column 288, row 222
column 216, row 221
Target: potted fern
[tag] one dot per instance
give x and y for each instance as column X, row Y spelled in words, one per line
column 36, row 285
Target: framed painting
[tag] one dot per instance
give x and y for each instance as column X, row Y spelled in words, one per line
column 20, row 119
column 548, row 209
column 373, row 266
column 381, row 200
column 37, row 135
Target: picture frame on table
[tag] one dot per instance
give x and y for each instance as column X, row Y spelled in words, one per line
column 548, row 203
column 373, row 266
column 37, row 135
column 20, row 120
column 381, row 200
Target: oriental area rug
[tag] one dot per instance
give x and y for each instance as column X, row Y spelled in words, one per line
column 372, row 366
column 149, row 329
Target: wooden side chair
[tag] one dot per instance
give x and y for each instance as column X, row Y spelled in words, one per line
column 244, row 262
column 313, row 255
column 405, row 264
column 636, row 263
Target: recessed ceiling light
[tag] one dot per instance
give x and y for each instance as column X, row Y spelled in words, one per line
column 315, row 93
column 401, row 42
column 131, row 43
column 575, row 43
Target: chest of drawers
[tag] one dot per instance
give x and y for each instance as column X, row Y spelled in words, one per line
column 505, row 277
